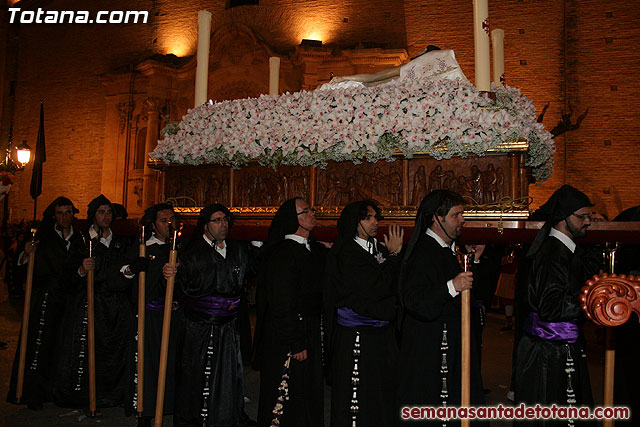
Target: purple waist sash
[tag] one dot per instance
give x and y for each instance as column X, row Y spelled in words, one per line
column 215, row 306
column 155, row 305
column 553, row 331
column 349, row 318
column 158, row 305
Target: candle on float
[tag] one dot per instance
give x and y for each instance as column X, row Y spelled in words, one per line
column 497, row 42
column 481, row 44
column 274, row 75
column 202, row 57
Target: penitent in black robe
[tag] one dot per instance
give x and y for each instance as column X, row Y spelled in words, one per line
column 542, row 366
column 429, row 363
column 155, row 290
column 290, row 307
column 210, row 373
column 367, row 286
column 114, row 329
column 52, row 283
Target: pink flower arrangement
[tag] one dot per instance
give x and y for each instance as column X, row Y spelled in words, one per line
column 361, row 124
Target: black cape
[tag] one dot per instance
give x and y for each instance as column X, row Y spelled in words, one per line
column 289, row 312
column 430, row 346
column 155, row 291
column 556, row 276
column 211, row 347
column 52, row 284
column 114, row 329
column 369, row 288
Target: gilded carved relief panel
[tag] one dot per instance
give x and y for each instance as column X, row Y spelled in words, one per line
column 479, row 180
column 262, row 186
column 342, row 183
column 197, row 186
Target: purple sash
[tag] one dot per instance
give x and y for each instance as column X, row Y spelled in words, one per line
column 155, row 305
column 214, row 306
column 349, row 318
column 553, row 331
column 158, row 305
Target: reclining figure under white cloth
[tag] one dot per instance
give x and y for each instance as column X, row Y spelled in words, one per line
column 430, row 65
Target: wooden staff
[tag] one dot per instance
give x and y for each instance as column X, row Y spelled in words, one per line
column 92, row 336
column 142, row 276
column 609, row 352
column 166, row 329
column 25, row 317
column 465, row 339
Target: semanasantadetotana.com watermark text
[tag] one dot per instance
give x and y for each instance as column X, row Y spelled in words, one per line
column 41, row 16
column 521, row 412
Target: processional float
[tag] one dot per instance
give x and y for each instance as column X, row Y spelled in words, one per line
column 404, row 139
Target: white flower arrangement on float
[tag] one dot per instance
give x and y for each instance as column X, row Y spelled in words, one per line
column 442, row 119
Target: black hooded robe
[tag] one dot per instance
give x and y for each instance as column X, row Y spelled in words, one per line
column 554, row 284
column 369, row 288
column 211, row 348
column 430, row 358
column 52, row 283
column 290, row 311
column 155, row 290
column 114, row 329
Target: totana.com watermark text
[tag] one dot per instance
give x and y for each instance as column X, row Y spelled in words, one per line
column 41, row 16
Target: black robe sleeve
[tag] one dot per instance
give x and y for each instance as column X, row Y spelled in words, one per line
column 283, row 296
column 367, row 286
column 551, row 292
column 425, row 292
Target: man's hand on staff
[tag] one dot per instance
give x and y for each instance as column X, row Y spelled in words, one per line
column 29, row 247
column 87, row 264
column 463, row 281
column 302, row 356
column 395, row 239
column 169, row 270
column 477, row 250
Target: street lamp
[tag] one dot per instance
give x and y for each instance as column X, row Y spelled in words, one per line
column 8, row 168
column 23, row 153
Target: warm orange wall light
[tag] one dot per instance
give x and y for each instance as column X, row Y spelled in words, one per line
column 179, row 47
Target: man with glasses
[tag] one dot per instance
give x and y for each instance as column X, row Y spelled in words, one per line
column 551, row 365
column 210, row 275
column 288, row 332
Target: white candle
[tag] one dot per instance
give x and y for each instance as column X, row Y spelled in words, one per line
column 274, row 75
column 497, row 42
column 202, row 57
column 481, row 44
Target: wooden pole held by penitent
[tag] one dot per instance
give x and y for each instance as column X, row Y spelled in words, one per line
column 142, row 276
column 465, row 339
column 166, row 329
column 25, row 318
column 91, row 351
column 609, row 352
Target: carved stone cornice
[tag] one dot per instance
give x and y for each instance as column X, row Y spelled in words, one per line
column 609, row 299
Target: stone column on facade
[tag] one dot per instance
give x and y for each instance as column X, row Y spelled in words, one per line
column 152, row 105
